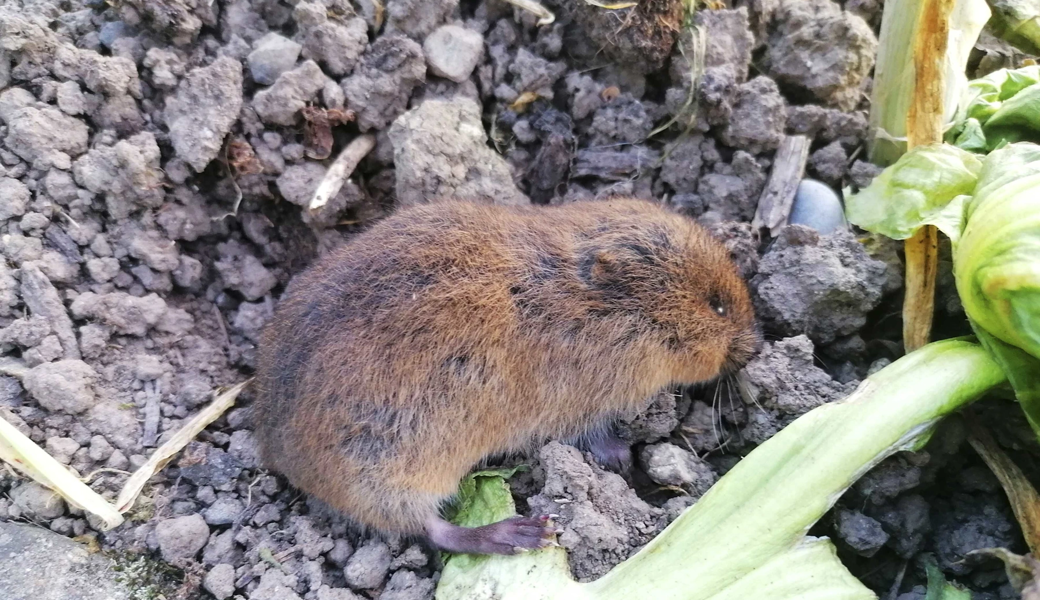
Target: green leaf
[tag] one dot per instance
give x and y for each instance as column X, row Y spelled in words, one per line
column 484, row 498
column 969, row 136
column 938, row 588
column 1018, row 118
column 985, row 95
column 1018, row 23
column 1022, row 371
column 996, row 259
column 914, row 191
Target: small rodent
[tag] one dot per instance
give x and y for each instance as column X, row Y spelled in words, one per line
column 454, row 331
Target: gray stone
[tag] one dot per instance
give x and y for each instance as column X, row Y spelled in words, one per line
column 65, row 386
column 223, row 512
column 816, row 205
column 453, row 52
column 203, row 110
column 42, row 565
column 272, row 55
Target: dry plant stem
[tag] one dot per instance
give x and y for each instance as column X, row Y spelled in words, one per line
column 1025, row 501
column 545, row 16
column 341, row 169
column 165, row 453
column 922, row 259
column 924, row 124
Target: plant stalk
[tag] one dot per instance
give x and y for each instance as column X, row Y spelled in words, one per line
column 924, row 125
column 764, row 506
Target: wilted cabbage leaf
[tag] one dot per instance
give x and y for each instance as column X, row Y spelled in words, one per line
column 919, row 189
column 997, row 259
column 999, row 108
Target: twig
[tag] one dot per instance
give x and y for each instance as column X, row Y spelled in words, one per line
column 545, row 16
column 341, row 169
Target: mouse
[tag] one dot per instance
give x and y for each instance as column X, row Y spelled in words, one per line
column 454, row 331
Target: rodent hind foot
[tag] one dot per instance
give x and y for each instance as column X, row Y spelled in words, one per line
column 505, row 537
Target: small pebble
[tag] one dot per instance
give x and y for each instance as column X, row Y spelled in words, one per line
column 816, row 205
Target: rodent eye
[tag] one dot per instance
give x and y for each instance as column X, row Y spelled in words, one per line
column 716, row 305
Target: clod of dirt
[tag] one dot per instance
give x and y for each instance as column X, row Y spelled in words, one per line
column 820, row 286
column 622, row 120
column 640, row 37
column 38, row 502
column 604, row 520
column 337, row 45
column 41, row 133
column 368, row 567
column 864, row 535
column 783, row 377
column 125, row 314
column 16, row 197
column 220, row 581
column 293, row 90
column 64, row 386
column 827, row 124
column 453, row 52
column 203, row 110
column 907, row 522
column 971, row 522
column 40, row 295
column 381, row 84
column 821, row 49
column 440, row 151
column 128, row 172
column 243, row 272
column 272, row 55
column 668, row 464
column 406, row 585
column 758, row 117
column 417, row 18
column 889, row 479
column 655, row 422
column 731, row 192
column 181, row 538
column 180, row 20
column 727, row 57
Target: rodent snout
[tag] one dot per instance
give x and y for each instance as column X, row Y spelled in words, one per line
column 743, row 348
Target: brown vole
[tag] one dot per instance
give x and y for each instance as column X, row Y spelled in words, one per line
column 453, row 331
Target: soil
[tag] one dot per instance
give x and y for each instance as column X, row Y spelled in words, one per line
column 156, row 162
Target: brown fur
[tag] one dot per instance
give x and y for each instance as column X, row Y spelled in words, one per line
column 453, row 331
